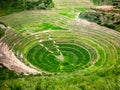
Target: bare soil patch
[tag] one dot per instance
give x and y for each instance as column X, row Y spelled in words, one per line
column 9, row 60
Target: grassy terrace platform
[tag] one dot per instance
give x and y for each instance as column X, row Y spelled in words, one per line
column 73, row 54
column 83, row 51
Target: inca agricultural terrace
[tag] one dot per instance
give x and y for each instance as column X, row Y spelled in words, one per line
column 59, row 45
column 65, row 51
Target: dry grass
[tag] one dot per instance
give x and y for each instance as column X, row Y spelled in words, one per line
column 72, row 3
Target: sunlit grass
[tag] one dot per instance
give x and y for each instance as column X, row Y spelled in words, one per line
column 57, row 19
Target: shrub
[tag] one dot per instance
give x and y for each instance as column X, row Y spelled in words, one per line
column 2, row 29
column 102, row 2
column 5, row 73
column 10, row 6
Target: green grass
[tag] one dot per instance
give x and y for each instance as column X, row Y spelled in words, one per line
column 81, row 9
column 6, row 74
column 67, row 15
column 35, row 21
column 47, row 26
column 81, row 45
column 91, row 52
column 36, row 27
column 76, row 81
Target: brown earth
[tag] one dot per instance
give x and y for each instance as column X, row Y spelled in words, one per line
column 104, row 8
column 9, row 60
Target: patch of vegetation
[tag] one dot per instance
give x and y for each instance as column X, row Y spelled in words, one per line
column 71, row 13
column 10, row 6
column 103, row 18
column 36, row 27
column 67, row 14
column 47, row 26
column 2, row 29
column 81, row 9
column 35, row 21
column 103, row 2
column 6, row 73
column 2, row 32
column 76, row 81
column 90, row 16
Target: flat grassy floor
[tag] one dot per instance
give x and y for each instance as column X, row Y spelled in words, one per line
column 64, row 17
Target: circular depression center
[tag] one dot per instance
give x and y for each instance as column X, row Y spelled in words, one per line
column 60, row 54
column 59, row 58
column 66, row 51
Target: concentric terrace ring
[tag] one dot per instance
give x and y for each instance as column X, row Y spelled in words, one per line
column 66, row 51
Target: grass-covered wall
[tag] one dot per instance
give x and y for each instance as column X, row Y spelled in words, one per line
column 10, row 6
